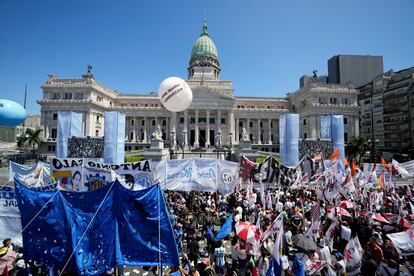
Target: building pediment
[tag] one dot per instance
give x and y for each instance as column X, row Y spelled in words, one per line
column 207, row 94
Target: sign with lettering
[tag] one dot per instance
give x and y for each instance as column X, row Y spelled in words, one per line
column 199, row 174
column 88, row 174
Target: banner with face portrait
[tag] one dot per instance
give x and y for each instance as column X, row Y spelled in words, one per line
column 88, row 175
column 198, row 174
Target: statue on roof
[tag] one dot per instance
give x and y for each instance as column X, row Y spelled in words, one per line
column 315, row 75
column 89, row 69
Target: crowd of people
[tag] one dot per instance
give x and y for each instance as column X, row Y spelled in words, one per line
column 198, row 216
column 85, row 147
column 312, row 147
column 365, row 216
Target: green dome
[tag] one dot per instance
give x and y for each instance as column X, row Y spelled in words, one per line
column 204, row 46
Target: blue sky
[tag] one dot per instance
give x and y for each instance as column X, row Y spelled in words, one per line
column 264, row 45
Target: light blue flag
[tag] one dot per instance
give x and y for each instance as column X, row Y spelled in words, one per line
column 225, row 229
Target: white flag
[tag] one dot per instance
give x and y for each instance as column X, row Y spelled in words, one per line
column 271, row 230
column 278, row 228
column 353, row 257
column 400, row 169
column 313, row 231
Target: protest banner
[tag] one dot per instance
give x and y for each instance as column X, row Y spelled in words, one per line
column 88, row 174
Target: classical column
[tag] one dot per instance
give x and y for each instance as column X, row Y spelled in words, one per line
column 145, row 140
column 313, row 125
column 259, row 140
column 196, row 138
column 173, row 128
column 356, row 126
column 248, row 126
column 231, row 127
column 236, row 135
column 185, row 129
column 134, row 128
column 87, row 124
column 207, row 128
column 218, row 123
column 269, row 132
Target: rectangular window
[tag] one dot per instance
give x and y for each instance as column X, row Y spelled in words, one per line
column 56, row 96
column 54, row 133
column 305, row 135
column 345, row 101
column 96, row 132
column 261, row 124
column 250, row 124
column 153, row 122
column 181, row 120
column 192, row 120
column 97, row 118
column 68, row 96
column 304, row 122
column 164, row 122
column 240, row 124
column 271, row 124
column 223, row 121
column 143, row 123
column 132, row 122
column 212, row 120
column 54, row 116
column 202, row 120
column 345, row 121
column 346, row 137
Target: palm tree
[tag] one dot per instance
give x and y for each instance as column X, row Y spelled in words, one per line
column 358, row 146
column 21, row 140
column 33, row 137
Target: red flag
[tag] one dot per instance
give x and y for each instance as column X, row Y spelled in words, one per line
column 385, row 165
column 335, row 155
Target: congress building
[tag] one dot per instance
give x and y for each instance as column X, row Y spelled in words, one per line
column 216, row 115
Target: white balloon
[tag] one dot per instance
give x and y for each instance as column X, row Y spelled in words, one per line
column 175, row 94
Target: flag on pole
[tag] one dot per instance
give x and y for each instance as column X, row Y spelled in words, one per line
column 380, row 182
column 400, row 169
column 278, row 229
column 225, row 229
column 272, row 228
column 353, row 257
column 354, row 168
column 313, row 231
column 385, row 165
column 316, row 212
column 335, row 155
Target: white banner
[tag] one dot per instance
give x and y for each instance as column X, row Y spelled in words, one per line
column 88, row 175
column 34, row 175
column 403, row 242
column 199, row 174
column 10, row 223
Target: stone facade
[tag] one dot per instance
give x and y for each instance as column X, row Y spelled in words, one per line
column 215, row 118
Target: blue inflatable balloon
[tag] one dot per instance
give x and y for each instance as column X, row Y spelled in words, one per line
column 11, row 113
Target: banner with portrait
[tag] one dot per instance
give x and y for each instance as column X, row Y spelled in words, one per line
column 88, row 175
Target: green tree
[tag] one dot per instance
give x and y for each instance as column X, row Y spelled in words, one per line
column 358, row 146
column 33, row 137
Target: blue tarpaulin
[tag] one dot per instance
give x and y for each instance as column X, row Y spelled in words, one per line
column 125, row 230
